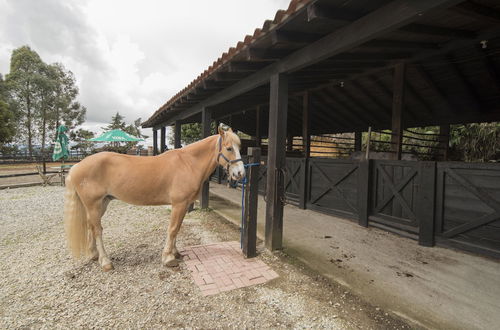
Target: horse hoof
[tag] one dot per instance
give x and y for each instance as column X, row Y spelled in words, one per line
column 177, row 255
column 107, row 267
column 172, row 263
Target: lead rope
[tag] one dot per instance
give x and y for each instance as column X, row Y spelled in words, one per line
column 244, row 181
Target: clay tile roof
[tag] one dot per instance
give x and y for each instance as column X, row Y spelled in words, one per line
column 281, row 15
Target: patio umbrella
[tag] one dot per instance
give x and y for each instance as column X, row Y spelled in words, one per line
column 61, row 144
column 116, row 135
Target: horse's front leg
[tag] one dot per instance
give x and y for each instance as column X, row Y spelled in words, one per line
column 170, row 251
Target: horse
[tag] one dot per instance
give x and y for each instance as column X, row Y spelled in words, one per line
column 174, row 178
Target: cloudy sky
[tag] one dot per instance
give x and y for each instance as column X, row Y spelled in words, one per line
column 129, row 56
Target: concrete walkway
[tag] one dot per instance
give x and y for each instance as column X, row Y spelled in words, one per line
column 431, row 287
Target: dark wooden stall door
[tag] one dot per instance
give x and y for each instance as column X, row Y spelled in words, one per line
column 468, row 206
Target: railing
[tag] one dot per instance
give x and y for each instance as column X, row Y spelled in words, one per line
column 453, row 203
column 37, row 157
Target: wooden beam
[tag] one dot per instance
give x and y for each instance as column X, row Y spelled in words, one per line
column 289, row 142
column 163, row 140
column 315, row 12
column 177, row 135
column 214, row 85
column 306, row 124
column 360, row 90
column 263, row 54
column 435, row 88
column 400, row 44
column 345, row 64
column 275, row 192
column 439, row 31
column 206, row 120
column 230, row 76
column 258, row 125
column 479, row 12
column 293, row 37
column 366, row 56
column 155, row 142
column 417, row 57
column 357, row 140
column 489, row 67
column 331, row 107
column 469, row 88
column 245, row 66
column 444, row 141
column 374, row 118
column 397, row 111
column 412, row 92
column 383, row 20
column 386, row 84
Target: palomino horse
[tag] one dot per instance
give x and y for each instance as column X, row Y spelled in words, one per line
column 174, row 177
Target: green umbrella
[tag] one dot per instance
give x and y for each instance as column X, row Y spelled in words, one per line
column 115, row 135
column 61, row 144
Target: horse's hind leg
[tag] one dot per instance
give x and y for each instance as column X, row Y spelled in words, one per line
column 170, row 251
column 94, row 213
column 94, row 253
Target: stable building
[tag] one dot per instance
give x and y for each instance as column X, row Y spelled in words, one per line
column 340, row 69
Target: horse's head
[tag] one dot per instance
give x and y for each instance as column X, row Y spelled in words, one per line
column 228, row 148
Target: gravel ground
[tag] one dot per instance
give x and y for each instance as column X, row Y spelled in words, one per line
column 42, row 287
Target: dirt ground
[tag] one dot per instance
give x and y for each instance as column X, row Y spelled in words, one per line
column 42, row 287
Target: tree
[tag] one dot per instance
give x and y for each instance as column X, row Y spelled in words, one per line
column 81, row 137
column 23, row 79
column 475, row 142
column 43, row 96
column 7, row 127
column 189, row 133
column 66, row 110
column 117, row 122
column 134, row 129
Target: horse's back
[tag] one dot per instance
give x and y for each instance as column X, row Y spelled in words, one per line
column 133, row 179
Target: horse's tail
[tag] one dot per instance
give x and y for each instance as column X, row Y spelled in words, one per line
column 75, row 221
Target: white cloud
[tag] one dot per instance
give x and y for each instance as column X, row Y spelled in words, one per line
column 129, row 56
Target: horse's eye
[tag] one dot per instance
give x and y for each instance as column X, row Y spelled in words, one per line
column 229, row 149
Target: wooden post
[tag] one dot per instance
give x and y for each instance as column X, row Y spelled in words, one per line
column 289, row 142
column 357, row 140
column 177, row 135
column 368, row 142
column 206, row 119
column 249, row 229
column 155, row 142
column 275, row 190
column 258, row 126
column 444, row 141
column 163, row 141
column 397, row 110
column 364, row 191
column 177, row 145
column 425, row 202
column 306, row 146
column 306, row 125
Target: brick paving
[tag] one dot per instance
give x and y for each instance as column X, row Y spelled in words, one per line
column 222, row 267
